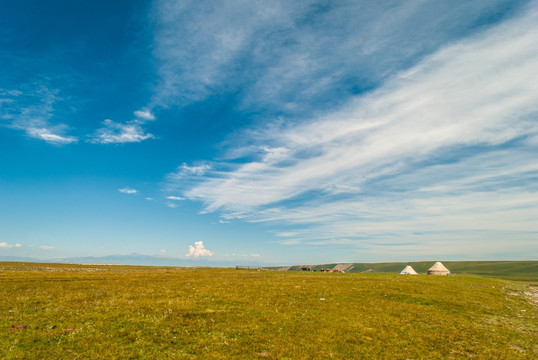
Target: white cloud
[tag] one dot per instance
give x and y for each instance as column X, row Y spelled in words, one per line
column 479, row 92
column 114, row 133
column 48, row 136
column 175, row 198
column 128, row 191
column 198, row 250
column 45, row 247
column 163, row 251
column 145, row 115
column 408, row 157
column 149, row 199
column 9, row 246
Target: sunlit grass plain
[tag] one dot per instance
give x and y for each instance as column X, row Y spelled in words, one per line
column 120, row 312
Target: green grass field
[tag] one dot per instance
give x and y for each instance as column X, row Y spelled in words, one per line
column 120, row 312
column 512, row 270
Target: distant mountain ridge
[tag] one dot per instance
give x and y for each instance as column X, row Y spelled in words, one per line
column 132, row 259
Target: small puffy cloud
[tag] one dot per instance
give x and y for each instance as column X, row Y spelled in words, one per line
column 163, row 251
column 45, row 247
column 198, row 250
column 175, row 198
column 9, row 246
column 128, row 191
column 117, row 133
column 149, row 199
column 144, row 115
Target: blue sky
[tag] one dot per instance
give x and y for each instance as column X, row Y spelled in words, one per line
column 271, row 132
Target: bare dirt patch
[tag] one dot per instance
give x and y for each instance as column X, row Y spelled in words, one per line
column 532, row 296
column 19, row 326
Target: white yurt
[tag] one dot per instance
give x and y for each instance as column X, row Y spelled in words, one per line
column 438, row 269
column 408, row 270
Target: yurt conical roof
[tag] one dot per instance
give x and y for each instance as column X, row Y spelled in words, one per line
column 408, row 270
column 438, row 269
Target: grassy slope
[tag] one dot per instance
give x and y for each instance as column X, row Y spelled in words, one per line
column 118, row 312
column 524, row 270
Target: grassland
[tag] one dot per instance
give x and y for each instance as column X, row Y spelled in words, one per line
column 120, row 312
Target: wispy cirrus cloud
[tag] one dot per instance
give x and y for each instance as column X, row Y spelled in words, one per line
column 444, row 148
column 480, row 200
column 296, row 54
column 31, row 109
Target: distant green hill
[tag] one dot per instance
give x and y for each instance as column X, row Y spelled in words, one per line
column 518, row 270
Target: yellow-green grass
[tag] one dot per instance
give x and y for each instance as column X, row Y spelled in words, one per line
column 121, row 312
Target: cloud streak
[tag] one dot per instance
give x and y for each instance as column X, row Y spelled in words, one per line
column 128, row 191
column 49, row 135
column 175, row 198
column 347, row 175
